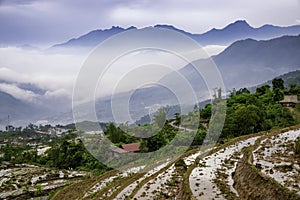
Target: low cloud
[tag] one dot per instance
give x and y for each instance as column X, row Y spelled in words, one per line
column 18, row 93
column 57, row 93
column 56, row 73
column 212, row 50
column 50, row 72
column 10, row 75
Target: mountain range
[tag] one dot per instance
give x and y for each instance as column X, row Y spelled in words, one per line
column 238, row 30
column 247, row 61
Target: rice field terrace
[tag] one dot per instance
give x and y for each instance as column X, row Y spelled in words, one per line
column 22, row 181
column 257, row 166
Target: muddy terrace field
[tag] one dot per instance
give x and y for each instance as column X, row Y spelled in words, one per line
column 24, row 181
column 258, row 166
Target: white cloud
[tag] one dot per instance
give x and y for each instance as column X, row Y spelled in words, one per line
column 212, row 50
column 7, row 74
column 57, row 73
column 48, row 71
column 18, row 93
column 57, row 93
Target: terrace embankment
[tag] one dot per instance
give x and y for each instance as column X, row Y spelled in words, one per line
column 251, row 183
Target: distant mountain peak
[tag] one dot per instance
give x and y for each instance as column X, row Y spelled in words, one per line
column 239, row 23
column 118, row 28
column 131, row 27
column 164, row 26
column 171, row 27
column 232, row 28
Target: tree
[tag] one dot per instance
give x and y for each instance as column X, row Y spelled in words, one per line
column 278, row 95
column 278, row 83
column 262, row 90
column 246, row 119
column 160, row 117
column 156, row 142
column 243, row 91
column 199, row 137
column 232, row 93
column 177, row 119
column 219, row 93
column 294, row 89
column 205, row 113
column 216, row 122
column 297, row 107
column 113, row 133
column 279, row 115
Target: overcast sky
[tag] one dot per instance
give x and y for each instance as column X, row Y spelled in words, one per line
column 55, row 21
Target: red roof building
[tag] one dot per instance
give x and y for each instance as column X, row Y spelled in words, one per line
column 132, row 147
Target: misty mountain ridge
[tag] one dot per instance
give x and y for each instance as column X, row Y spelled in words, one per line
column 249, row 62
column 245, row 63
column 26, row 86
column 93, row 38
column 238, row 30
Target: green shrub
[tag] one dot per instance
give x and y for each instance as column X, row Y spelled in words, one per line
column 297, row 147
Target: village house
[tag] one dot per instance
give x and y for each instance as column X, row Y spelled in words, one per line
column 132, row 147
column 289, row 100
column 126, row 148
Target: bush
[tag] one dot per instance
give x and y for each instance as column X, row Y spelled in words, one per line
column 297, row 147
column 181, row 163
column 38, row 189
